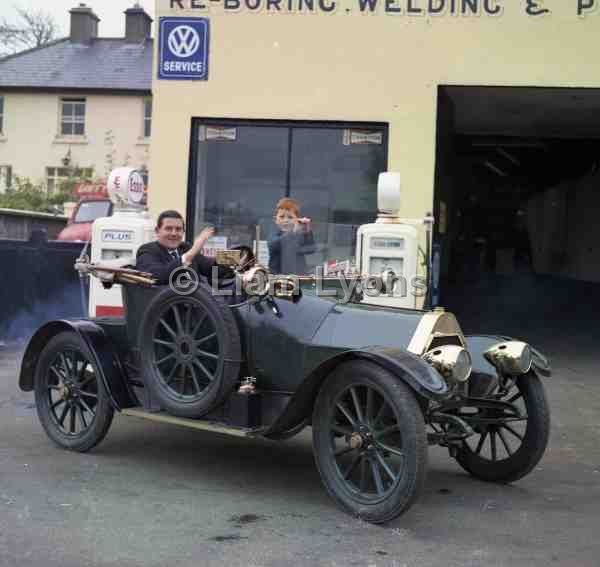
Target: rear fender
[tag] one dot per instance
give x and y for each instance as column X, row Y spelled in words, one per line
column 105, row 357
column 423, row 379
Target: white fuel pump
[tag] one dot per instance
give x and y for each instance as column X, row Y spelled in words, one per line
column 390, row 248
column 118, row 237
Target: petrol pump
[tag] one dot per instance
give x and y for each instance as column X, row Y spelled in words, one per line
column 389, row 248
column 116, row 239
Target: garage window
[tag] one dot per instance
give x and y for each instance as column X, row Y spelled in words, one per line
column 244, row 167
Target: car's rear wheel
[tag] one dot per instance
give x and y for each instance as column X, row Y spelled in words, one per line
column 369, row 441
column 72, row 404
column 190, row 352
column 508, row 450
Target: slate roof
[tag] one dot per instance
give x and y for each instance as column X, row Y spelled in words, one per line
column 105, row 63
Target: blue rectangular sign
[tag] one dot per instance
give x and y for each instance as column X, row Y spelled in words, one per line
column 183, row 49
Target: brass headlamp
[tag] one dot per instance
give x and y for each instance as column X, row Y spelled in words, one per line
column 451, row 361
column 510, row 357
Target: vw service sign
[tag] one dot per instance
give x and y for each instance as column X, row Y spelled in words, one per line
column 183, row 49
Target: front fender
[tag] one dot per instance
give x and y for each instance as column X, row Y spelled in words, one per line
column 478, row 344
column 105, row 357
column 425, row 381
column 412, row 369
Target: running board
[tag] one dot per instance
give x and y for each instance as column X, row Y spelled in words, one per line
column 194, row 423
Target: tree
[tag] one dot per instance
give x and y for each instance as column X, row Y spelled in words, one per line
column 28, row 196
column 32, row 28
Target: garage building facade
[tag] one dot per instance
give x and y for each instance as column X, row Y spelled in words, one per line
column 312, row 98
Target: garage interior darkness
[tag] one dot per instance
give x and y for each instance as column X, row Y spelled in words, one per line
column 517, row 199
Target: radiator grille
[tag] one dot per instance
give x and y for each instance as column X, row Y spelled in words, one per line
column 445, row 340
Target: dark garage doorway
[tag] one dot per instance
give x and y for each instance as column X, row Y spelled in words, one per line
column 517, row 198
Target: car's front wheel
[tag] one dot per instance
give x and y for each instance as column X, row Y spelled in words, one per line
column 507, row 449
column 369, row 441
column 71, row 402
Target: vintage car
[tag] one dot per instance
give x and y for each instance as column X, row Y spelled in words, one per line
column 377, row 385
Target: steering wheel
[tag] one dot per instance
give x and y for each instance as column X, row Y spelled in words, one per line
column 247, row 258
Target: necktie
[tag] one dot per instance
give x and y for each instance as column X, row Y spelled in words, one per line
column 174, row 254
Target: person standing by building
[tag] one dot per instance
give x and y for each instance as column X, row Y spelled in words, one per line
column 292, row 241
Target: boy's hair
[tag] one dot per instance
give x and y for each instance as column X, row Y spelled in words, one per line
column 288, row 204
column 168, row 215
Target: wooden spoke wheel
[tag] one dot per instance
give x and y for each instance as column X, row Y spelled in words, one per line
column 369, row 441
column 509, row 449
column 71, row 401
column 190, row 352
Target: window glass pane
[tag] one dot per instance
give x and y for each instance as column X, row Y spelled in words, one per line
column 50, row 184
column 91, row 210
column 66, row 128
column 336, row 187
column 147, row 128
column 1, row 105
column 79, row 129
column 63, row 172
column 1, row 123
column 334, row 182
column 80, row 109
column 240, row 181
column 148, row 109
column 67, row 109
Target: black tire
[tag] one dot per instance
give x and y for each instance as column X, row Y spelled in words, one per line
column 190, row 352
column 522, row 443
column 71, row 401
column 382, row 420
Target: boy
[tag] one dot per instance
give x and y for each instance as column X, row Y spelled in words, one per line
column 292, row 241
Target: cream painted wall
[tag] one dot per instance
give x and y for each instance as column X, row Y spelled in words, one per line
column 31, row 128
column 351, row 66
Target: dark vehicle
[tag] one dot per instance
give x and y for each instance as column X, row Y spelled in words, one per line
column 377, row 385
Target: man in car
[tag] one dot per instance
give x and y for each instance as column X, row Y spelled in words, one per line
column 169, row 252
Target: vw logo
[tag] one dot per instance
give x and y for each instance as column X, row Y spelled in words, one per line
column 184, row 41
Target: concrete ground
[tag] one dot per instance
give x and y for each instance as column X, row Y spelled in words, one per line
column 157, row 495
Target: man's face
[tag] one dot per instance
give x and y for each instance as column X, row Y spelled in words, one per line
column 170, row 233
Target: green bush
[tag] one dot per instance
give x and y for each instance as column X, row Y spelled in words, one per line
column 27, row 196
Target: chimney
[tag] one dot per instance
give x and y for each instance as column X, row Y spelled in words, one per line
column 138, row 24
column 84, row 24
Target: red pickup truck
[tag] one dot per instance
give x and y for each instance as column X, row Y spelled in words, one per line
column 85, row 213
column 93, row 203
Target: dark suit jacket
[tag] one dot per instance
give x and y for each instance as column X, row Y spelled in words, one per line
column 155, row 259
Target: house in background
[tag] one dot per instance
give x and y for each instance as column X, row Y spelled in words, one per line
column 78, row 106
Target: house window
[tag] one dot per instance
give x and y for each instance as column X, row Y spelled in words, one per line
column 5, row 177
column 72, row 118
column 1, row 114
column 55, row 176
column 147, row 117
